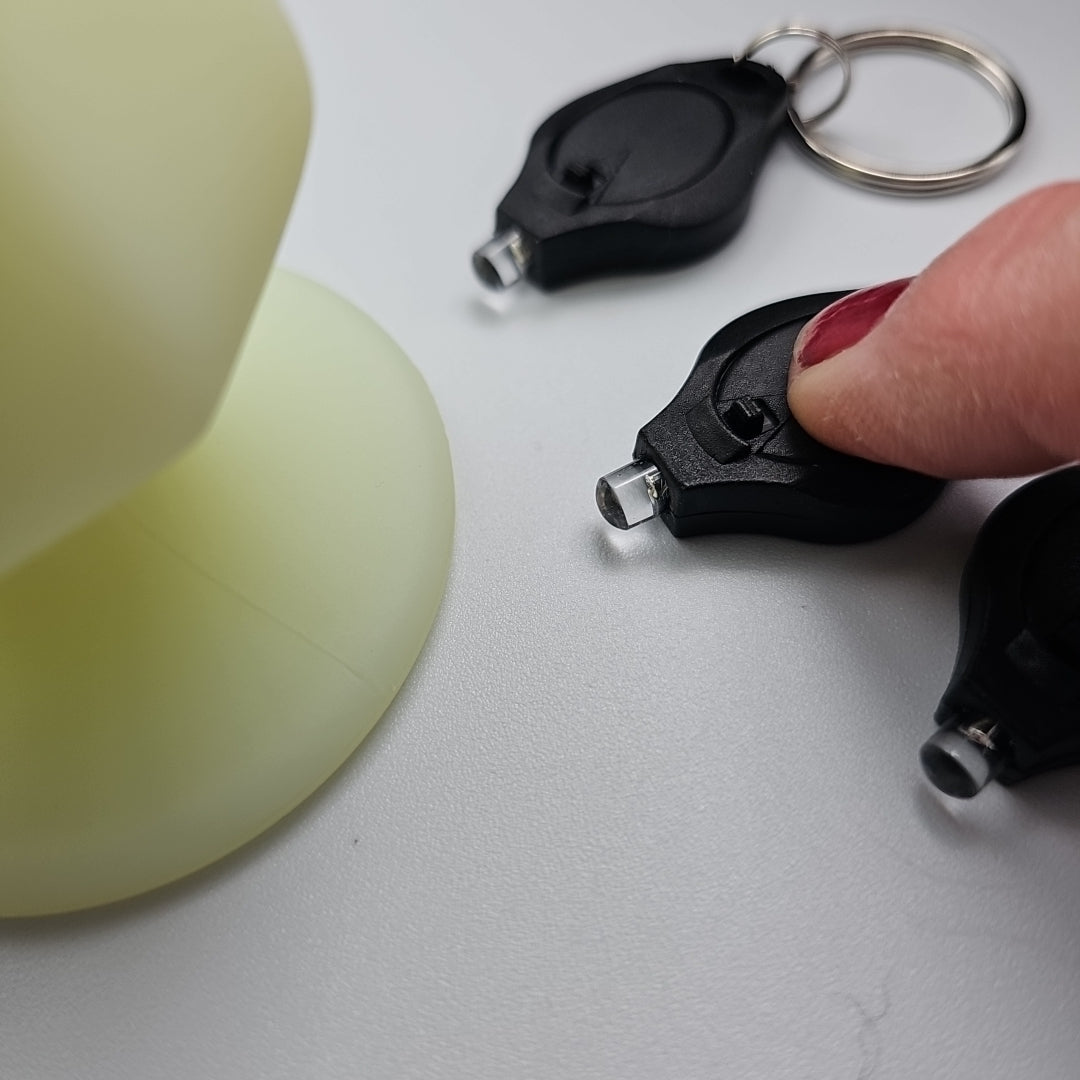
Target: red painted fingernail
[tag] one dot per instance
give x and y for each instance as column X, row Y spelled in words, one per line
column 844, row 323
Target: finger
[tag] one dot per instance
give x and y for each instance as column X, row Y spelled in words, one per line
column 972, row 368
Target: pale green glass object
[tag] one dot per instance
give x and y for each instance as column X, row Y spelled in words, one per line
column 178, row 674
column 151, row 150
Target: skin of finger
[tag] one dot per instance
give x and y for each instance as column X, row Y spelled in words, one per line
column 975, row 370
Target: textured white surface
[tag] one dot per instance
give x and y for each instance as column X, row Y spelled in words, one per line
column 645, row 808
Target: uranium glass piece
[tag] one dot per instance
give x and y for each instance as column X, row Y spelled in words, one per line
column 151, row 151
column 181, row 672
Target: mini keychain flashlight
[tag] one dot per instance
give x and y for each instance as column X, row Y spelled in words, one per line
column 658, row 170
column 1012, row 706
column 726, row 455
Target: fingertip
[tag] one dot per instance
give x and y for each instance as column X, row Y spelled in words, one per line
column 971, row 369
column 919, row 414
column 838, row 403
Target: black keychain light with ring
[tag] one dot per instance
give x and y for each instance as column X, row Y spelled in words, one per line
column 657, row 170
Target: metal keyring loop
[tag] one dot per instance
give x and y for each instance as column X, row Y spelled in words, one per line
column 928, row 183
column 829, row 46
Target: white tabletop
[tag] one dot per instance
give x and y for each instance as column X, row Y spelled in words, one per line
column 646, row 808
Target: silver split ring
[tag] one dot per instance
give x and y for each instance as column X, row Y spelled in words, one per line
column 865, row 175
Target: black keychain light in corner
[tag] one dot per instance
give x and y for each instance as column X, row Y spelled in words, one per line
column 1012, row 706
column 658, row 170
